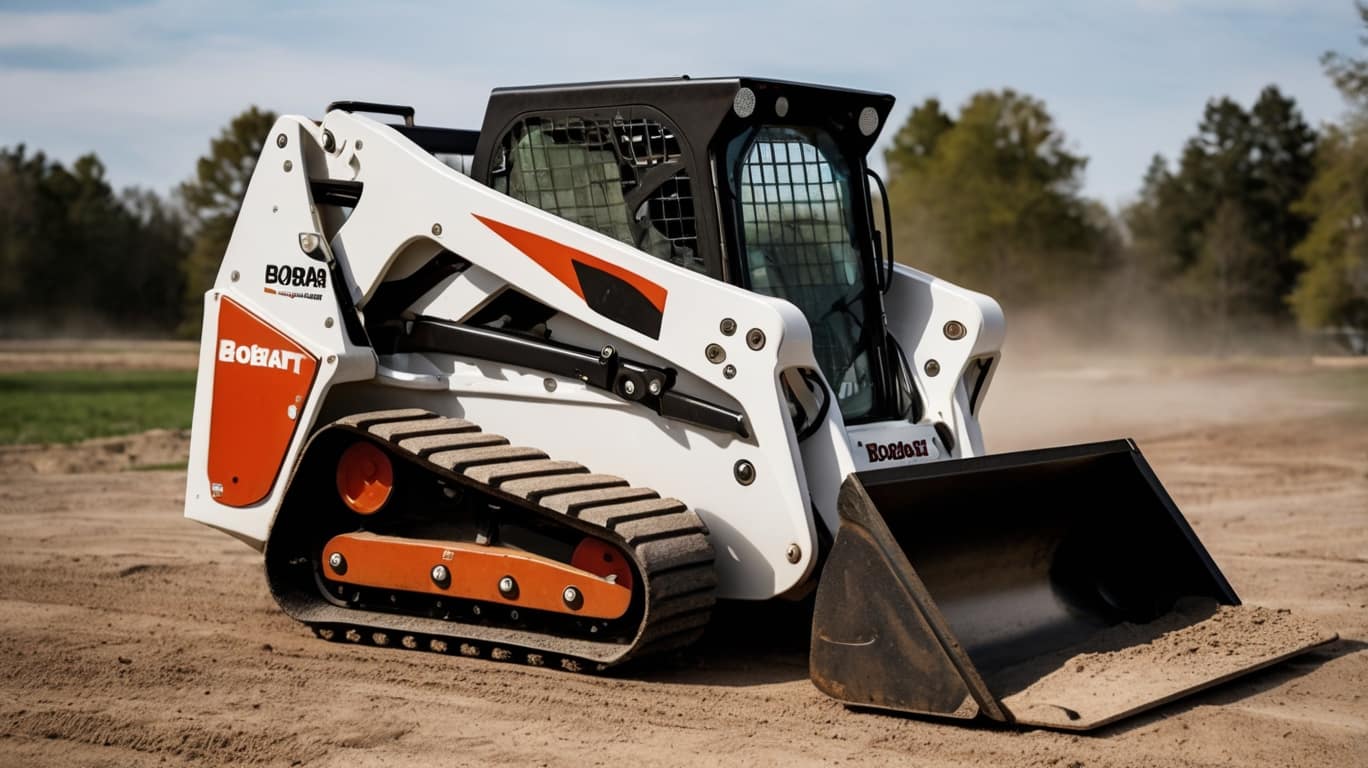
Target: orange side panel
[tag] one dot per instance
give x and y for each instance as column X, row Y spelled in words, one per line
column 559, row 260
column 262, row 380
column 473, row 572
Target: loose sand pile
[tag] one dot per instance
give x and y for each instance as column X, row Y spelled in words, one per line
column 1197, row 645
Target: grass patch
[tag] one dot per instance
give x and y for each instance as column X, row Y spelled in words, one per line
column 67, row 406
column 1347, row 384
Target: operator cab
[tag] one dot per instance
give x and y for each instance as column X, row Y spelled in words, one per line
column 760, row 183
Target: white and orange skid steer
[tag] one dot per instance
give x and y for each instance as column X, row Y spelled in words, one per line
column 547, row 391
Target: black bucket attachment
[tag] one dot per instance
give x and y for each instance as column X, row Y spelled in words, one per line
column 1057, row 587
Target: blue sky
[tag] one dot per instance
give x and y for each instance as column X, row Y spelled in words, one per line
column 145, row 84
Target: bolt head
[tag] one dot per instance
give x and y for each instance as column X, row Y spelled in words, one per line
column 755, row 339
column 607, row 352
column 629, row 387
column 794, row 553
column 236, row 276
column 715, row 353
column 440, row 574
column 571, row 597
column 654, row 387
column 281, row 140
column 932, row 367
column 729, row 371
column 744, row 472
column 329, row 142
column 507, row 586
column 727, row 326
column 288, row 166
column 436, row 229
column 336, row 561
column 954, row 330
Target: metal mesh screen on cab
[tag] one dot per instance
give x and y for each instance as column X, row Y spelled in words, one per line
column 798, row 242
column 586, row 171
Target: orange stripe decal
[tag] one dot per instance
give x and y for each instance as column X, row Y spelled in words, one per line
column 262, row 381
column 560, row 260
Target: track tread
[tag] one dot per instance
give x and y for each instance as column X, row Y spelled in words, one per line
column 611, row 515
column 535, row 488
column 683, row 581
column 396, row 431
column 574, row 502
column 665, row 537
column 461, row 460
column 668, row 554
column 499, row 474
column 371, row 418
column 648, row 528
column 428, row 445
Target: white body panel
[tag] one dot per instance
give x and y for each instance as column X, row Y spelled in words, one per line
column 413, row 206
column 919, row 306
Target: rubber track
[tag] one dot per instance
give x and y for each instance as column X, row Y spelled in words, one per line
column 668, row 541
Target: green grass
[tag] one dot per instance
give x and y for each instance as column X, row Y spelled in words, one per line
column 66, row 406
column 1350, row 384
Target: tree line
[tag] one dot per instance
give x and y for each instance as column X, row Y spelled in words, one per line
column 77, row 255
column 1258, row 223
column 80, row 258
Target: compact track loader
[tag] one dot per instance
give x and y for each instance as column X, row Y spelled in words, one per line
column 546, row 391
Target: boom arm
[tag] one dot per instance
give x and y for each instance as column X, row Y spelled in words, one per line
column 412, row 207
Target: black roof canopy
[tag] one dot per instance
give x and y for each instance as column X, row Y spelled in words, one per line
column 699, row 107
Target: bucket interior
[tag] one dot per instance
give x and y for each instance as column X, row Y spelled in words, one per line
column 1031, row 553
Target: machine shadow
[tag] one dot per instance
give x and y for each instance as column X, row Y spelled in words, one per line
column 747, row 643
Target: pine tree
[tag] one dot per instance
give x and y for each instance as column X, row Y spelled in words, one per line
column 213, row 198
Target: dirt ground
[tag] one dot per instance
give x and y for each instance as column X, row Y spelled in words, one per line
column 133, row 637
column 156, row 448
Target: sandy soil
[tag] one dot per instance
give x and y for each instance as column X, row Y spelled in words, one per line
column 133, row 637
column 157, row 448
